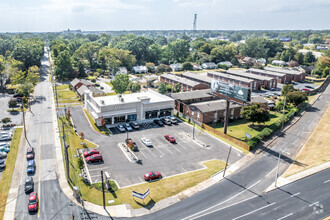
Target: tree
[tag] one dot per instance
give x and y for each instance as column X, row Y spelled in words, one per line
column 296, row 97
column 151, row 67
column 162, row 88
column 135, row 87
column 162, row 68
column 309, row 58
column 177, row 87
column 25, row 89
column 177, row 51
column 12, row 103
column 120, row 83
column 63, row 66
column 81, row 163
column 169, row 88
column 287, row 88
column 260, row 48
column 5, row 120
column 81, row 69
column 299, row 57
column 29, row 52
column 89, row 52
column 255, row 113
column 82, row 135
column 323, row 66
column 187, row 66
column 113, row 58
column 223, row 66
column 2, row 74
column 280, row 104
column 154, row 52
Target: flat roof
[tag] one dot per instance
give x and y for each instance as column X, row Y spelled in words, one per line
column 282, row 70
column 249, row 75
column 197, row 94
column 198, row 76
column 179, row 79
column 266, row 72
column 133, row 97
column 214, row 105
column 237, row 78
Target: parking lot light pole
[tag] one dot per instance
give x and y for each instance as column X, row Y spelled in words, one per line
column 103, row 189
column 283, row 115
column 224, row 172
column 194, row 131
column 278, row 165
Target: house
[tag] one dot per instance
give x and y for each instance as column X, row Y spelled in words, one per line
column 227, row 63
column 197, row 67
column 122, row 70
column 285, row 39
column 149, row 78
column 279, row 63
column 81, row 91
column 155, row 83
column 262, row 61
column 139, row 69
column 209, row 65
column 143, row 83
column 248, row 60
column 96, row 92
column 77, row 83
column 176, row 67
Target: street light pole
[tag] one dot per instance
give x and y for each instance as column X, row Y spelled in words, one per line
column 194, row 131
column 224, row 172
column 283, row 114
column 278, row 167
column 24, row 120
column 103, row 189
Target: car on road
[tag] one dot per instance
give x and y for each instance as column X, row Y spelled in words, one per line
column 173, row 120
column 166, row 121
column 30, row 153
column 33, row 202
column 170, row 138
column 130, row 143
column 31, row 167
column 2, row 164
column 94, row 158
column 90, row 152
column 128, row 127
column 152, row 175
column 3, row 155
column 146, row 142
column 29, row 184
column 121, row 128
column 158, row 122
column 134, row 125
column 310, row 87
column 5, row 149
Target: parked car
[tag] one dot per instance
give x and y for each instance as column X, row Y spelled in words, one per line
column 152, row 175
column 133, row 145
column 158, row 122
column 29, row 184
column 6, row 133
column 170, row 138
column 31, row 167
column 33, row 202
column 90, row 152
column 128, row 127
column 173, row 120
column 306, row 90
column 101, row 87
column 146, row 142
column 3, row 155
column 166, row 121
column 5, row 137
column 2, row 164
column 4, row 145
column 5, row 149
column 121, row 128
column 30, row 153
column 94, row 158
column 134, row 125
column 310, row 87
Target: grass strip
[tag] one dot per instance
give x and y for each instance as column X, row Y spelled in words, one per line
column 100, row 129
column 9, row 170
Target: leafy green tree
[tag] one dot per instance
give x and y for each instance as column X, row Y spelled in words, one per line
column 25, row 89
column 12, row 103
column 169, row 88
column 155, row 52
column 187, row 66
column 5, row 120
column 81, row 163
column 280, row 104
column 260, row 48
column 162, row 88
column 89, row 52
column 113, row 58
column 29, row 52
column 135, row 87
column 224, row 53
column 177, row 87
column 287, row 88
column 296, row 97
column 223, row 66
column 81, row 69
column 288, row 54
column 120, row 83
column 177, row 51
column 255, row 113
column 63, row 66
column 151, row 67
column 162, row 68
column 299, row 57
column 2, row 74
column 323, row 66
column 309, row 58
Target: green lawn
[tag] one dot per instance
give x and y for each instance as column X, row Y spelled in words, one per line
column 9, row 170
column 66, row 96
column 238, row 128
column 158, row 190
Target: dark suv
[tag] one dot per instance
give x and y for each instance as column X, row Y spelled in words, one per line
column 158, row 122
column 29, row 184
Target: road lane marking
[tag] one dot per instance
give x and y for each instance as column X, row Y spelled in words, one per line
column 197, row 213
column 285, row 216
column 236, row 203
column 39, row 174
column 295, row 194
column 315, row 203
column 326, row 181
column 254, row 211
column 271, row 172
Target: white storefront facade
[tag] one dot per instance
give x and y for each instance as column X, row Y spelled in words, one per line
column 139, row 107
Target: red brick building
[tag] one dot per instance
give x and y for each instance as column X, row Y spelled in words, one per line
column 186, row 84
column 296, row 75
column 280, row 77
column 267, row 82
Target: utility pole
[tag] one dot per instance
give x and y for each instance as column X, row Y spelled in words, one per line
column 66, row 153
column 194, row 130
column 278, row 167
column 227, row 115
column 24, row 120
column 103, row 189
column 224, row 172
column 283, row 115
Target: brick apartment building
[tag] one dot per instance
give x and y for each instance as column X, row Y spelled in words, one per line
column 267, row 82
column 296, row 75
column 280, row 77
column 186, row 84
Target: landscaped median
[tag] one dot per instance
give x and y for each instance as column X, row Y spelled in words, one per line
column 158, row 189
column 9, row 170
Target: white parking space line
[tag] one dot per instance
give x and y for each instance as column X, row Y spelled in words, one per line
column 141, row 179
column 162, row 146
column 315, row 203
column 190, row 144
column 143, row 154
column 148, row 149
column 183, row 169
column 326, row 181
column 155, row 147
column 173, row 145
column 182, row 146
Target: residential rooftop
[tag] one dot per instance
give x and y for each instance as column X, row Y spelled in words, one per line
column 270, row 73
column 197, row 94
column 215, row 105
column 282, row 70
column 226, row 75
column 179, row 79
column 198, row 76
column 248, row 75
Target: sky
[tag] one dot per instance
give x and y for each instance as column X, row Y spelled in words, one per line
column 102, row 15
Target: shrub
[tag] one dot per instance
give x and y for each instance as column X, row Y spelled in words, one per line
column 6, row 120
column 80, row 162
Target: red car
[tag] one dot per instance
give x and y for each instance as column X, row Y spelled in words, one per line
column 170, row 138
column 33, row 202
column 152, row 175
column 306, row 90
column 30, row 153
column 90, row 152
column 94, row 158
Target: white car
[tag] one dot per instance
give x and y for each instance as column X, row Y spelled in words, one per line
column 5, row 137
column 146, row 142
column 128, row 127
column 4, row 145
column 3, row 155
column 6, row 133
column 121, row 128
column 173, row 120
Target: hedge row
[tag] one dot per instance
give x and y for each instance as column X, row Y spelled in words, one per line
column 266, row 132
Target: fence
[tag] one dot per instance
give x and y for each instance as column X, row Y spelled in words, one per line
column 221, row 134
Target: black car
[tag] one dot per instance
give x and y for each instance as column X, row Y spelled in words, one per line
column 29, row 184
column 2, row 164
column 131, row 144
column 310, row 87
column 134, row 125
column 158, row 122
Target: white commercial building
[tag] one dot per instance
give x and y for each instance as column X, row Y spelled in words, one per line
column 118, row 109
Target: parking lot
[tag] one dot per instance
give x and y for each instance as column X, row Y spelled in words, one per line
column 16, row 116
column 169, row 159
column 11, row 131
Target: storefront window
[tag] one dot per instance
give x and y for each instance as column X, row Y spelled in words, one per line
column 131, row 117
column 108, row 120
column 151, row 114
column 119, row 119
column 165, row 112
